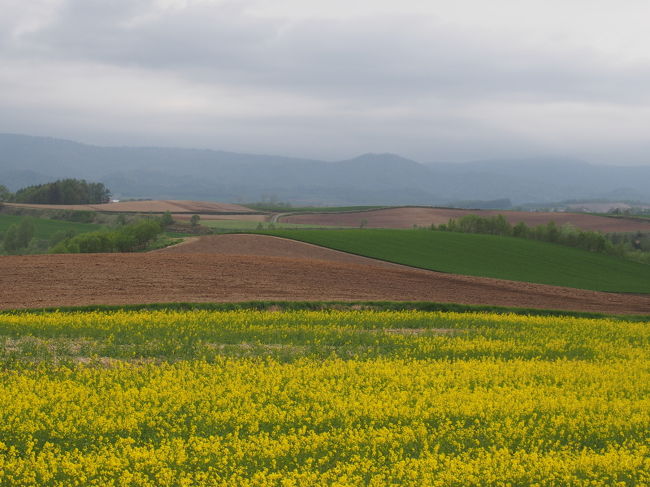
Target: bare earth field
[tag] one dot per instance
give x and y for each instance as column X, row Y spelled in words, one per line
column 407, row 217
column 158, row 206
column 252, row 217
column 269, row 246
column 268, row 268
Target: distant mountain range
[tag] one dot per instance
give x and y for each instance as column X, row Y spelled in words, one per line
column 172, row 173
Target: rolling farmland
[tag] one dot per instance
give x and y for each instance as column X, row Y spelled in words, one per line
column 324, row 244
column 242, row 272
column 348, row 395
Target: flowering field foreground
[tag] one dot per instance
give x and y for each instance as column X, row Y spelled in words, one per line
column 322, row 398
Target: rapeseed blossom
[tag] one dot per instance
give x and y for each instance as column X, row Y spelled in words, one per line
column 254, row 398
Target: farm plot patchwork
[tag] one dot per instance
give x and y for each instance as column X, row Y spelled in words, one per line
column 406, row 217
column 322, row 398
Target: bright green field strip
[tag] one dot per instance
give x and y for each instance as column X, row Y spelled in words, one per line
column 487, row 256
column 44, row 228
column 249, row 225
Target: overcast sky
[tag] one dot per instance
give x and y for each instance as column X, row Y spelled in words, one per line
column 431, row 80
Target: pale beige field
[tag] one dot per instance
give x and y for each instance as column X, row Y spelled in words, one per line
column 154, row 206
column 408, row 216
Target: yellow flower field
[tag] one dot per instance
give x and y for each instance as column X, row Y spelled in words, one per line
column 306, row 398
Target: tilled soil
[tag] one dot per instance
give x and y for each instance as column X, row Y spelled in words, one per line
column 269, row 246
column 407, row 217
column 252, row 217
column 86, row 279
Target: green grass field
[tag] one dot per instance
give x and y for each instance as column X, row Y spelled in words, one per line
column 44, row 228
column 487, row 256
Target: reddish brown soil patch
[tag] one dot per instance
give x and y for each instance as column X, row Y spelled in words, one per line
column 238, row 216
column 86, row 279
column 158, row 206
column 407, row 217
column 268, row 246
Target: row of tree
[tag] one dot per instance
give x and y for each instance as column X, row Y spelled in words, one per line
column 60, row 192
column 565, row 235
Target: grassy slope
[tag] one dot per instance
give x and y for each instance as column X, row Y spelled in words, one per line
column 487, row 256
column 44, row 228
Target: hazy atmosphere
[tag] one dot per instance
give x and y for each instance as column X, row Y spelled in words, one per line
column 431, row 81
column 324, row 242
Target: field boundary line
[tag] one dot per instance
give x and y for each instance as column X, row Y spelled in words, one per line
column 279, row 305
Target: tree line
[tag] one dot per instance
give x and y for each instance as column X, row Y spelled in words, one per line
column 60, row 192
column 635, row 246
column 20, row 238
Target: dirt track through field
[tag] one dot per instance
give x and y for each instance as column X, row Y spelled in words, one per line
column 423, row 217
column 197, row 273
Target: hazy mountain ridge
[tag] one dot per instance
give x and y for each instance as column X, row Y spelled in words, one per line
column 367, row 179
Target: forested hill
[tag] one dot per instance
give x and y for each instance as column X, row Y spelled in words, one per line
column 369, row 179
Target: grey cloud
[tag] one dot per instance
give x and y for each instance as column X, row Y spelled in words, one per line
column 378, row 59
column 200, row 37
column 124, row 71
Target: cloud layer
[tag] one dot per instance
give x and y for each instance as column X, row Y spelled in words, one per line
column 240, row 75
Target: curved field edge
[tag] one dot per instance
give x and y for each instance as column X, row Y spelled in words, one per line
column 330, row 305
column 486, row 256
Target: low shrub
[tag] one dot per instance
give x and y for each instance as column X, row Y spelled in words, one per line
column 129, row 238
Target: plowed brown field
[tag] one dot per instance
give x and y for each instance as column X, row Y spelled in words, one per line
column 248, row 217
column 407, row 217
column 268, row 246
column 159, row 206
column 261, row 269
